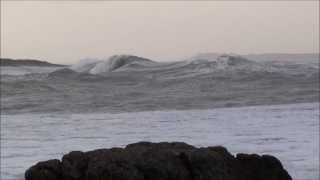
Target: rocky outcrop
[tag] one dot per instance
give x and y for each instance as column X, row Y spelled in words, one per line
column 159, row 161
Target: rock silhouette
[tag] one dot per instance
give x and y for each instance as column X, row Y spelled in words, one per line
column 159, row 161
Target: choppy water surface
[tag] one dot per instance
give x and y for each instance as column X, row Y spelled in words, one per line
column 290, row 132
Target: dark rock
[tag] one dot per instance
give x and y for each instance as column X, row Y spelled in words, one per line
column 74, row 165
column 264, row 167
column 47, row 170
column 159, row 161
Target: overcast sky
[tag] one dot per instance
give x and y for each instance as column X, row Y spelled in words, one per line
column 64, row 32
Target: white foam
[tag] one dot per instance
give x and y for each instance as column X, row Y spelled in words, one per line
column 289, row 132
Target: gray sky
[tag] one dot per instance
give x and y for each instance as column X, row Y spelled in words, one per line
column 64, row 32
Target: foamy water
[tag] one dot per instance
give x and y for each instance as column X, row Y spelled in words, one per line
column 290, row 132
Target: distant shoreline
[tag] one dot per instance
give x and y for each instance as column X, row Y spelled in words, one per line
column 26, row 62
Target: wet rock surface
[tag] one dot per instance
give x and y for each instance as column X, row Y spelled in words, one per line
column 159, row 161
